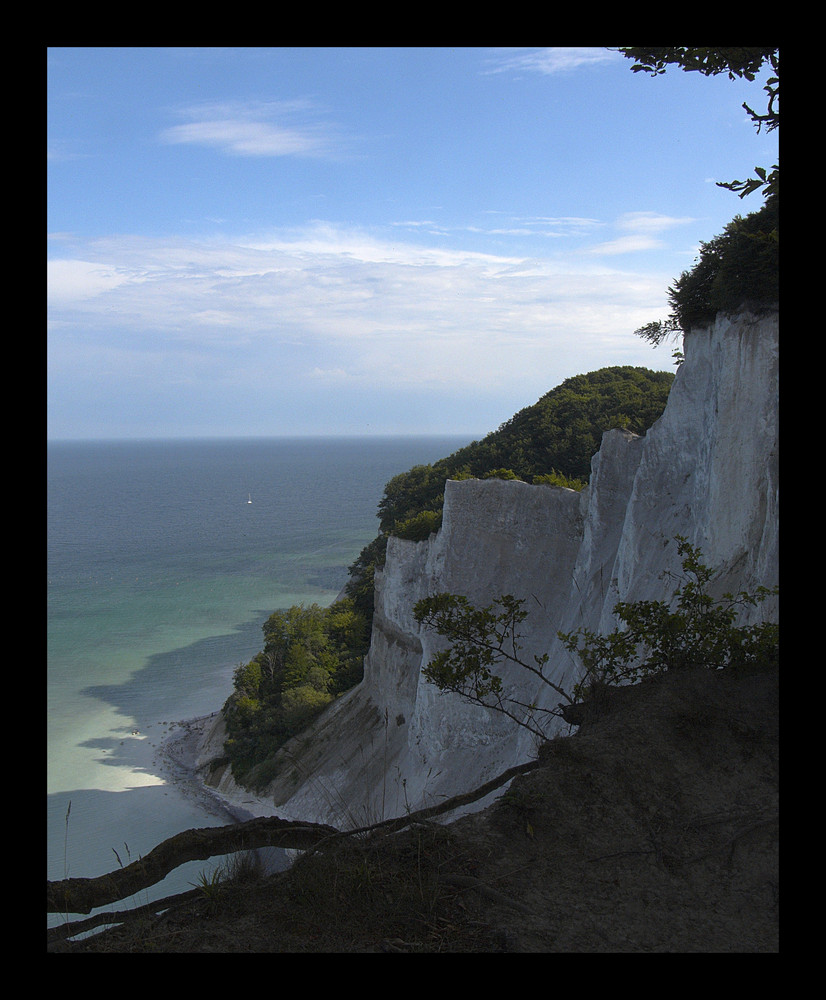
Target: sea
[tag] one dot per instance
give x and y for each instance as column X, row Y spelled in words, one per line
column 164, row 560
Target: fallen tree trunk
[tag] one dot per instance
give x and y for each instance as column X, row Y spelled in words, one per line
column 82, row 895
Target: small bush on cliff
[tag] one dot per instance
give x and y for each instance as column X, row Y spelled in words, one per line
column 420, row 526
column 692, row 630
column 554, row 478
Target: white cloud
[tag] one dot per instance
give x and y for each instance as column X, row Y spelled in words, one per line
column 78, row 280
column 336, row 305
column 558, row 59
column 641, row 231
column 261, row 128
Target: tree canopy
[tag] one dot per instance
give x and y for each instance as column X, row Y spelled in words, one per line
column 740, row 267
column 559, row 433
column 310, row 655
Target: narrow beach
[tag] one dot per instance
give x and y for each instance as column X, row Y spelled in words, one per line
column 179, row 754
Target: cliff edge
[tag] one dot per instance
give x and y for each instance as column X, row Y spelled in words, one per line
column 706, row 470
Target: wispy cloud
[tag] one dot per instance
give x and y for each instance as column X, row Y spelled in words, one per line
column 342, row 304
column 639, row 231
column 260, row 128
column 508, row 225
column 559, row 59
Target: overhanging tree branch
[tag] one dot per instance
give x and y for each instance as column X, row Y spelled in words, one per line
column 739, row 62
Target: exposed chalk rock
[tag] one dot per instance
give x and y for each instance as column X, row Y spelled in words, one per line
column 707, row 470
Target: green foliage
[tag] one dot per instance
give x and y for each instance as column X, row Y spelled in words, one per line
column 508, row 474
column 482, row 638
column 359, row 587
column 557, row 435
column 420, row 526
column 692, row 630
column 739, row 267
column 409, row 493
column 310, row 656
column 735, row 61
column 555, row 478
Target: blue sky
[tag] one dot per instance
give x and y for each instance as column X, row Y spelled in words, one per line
column 247, row 242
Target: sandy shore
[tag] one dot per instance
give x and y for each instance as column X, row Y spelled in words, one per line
column 179, row 755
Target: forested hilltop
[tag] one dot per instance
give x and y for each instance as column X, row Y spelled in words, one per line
column 312, row 655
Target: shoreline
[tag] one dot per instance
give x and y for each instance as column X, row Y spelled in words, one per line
column 179, row 753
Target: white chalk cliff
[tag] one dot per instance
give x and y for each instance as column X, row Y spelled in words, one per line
column 707, row 469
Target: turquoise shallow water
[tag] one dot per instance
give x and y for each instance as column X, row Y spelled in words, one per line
column 160, row 576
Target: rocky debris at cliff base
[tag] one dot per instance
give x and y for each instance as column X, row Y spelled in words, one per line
column 654, row 828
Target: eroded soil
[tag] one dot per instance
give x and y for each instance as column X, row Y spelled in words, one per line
column 654, row 828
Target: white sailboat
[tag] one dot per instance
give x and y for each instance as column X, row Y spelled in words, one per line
column 250, row 498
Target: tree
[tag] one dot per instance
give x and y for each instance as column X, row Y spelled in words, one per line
column 737, row 62
column 692, row 630
column 740, row 266
column 311, row 655
column 482, row 638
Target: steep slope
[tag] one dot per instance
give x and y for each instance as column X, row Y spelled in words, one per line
column 707, row 470
column 654, row 828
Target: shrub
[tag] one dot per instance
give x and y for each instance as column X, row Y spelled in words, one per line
column 554, row 478
column 693, row 630
column 501, row 474
column 420, row 526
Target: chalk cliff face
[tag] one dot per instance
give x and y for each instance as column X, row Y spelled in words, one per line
column 708, row 470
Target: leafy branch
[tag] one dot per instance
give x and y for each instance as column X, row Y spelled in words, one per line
column 482, row 638
column 692, row 630
column 738, row 62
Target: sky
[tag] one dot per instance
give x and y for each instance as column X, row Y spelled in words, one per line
column 251, row 242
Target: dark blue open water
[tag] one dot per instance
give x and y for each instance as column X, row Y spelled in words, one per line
column 160, row 576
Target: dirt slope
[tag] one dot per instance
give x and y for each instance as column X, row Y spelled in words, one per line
column 653, row 829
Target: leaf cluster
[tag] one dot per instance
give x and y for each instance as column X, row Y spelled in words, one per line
column 310, row 656
column 740, row 267
column 692, row 630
